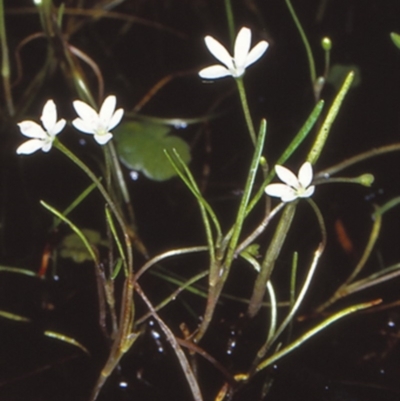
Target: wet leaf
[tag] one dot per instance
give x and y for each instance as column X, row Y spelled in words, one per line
column 72, row 246
column 141, row 145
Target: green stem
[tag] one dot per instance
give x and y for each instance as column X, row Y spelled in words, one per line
column 73, row 227
column 231, row 20
column 246, row 110
column 218, row 278
column 342, row 290
column 311, row 62
column 5, row 62
column 237, row 229
column 323, row 325
column 95, row 180
column 395, row 147
column 294, row 144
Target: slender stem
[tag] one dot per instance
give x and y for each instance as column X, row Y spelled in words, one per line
column 182, row 286
column 260, row 229
column 311, row 62
column 220, row 274
column 339, row 293
column 321, row 326
column 94, row 179
column 231, row 19
column 386, row 207
column 294, row 144
column 205, row 208
column 394, row 147
column 372, row 280
column 77, row 231
column 237, row 229
column 246, row 110
column 125, row 337
column 187, row 370
column 273, row 319
column 5, row 62
column 168, row 254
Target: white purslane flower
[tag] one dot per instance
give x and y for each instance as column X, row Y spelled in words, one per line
column 98, row 124
column 242, row 56
column 41, row 138
column 293, row 187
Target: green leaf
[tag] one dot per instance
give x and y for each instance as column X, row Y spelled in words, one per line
column 72, row 246
column 141, row 146
column 395, row 39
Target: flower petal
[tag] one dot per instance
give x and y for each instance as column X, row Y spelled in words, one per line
column 107, row 110
column 287, row 176
column 306, row 174
column 219, row 52
column 256, row 52
column 290, row 195
column 242, row 47
column 214, row 72
column 58, row 127
column 286, row 193
column 32, row 129
column 83, row 126
column 85, row 112
column 47, row 146
column 276, row 189
column 30, row 146
column 49, row 115
column 308, row 192
column 103, row 138
column 115, row 119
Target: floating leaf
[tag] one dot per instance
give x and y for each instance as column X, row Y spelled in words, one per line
column 72, row 246
column 395, row 39
column 141, row 147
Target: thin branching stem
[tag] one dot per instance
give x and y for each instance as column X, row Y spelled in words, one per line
column 187, row 370
column 315, row 330
column 342, row 290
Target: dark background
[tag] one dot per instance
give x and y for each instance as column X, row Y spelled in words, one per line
column 356, row 359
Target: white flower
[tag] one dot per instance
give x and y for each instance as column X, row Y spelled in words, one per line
column 42, row 139
column 236, row 65
column 293, row 187
column 99, row 124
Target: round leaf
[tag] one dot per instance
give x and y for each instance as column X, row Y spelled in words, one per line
column 141, row 147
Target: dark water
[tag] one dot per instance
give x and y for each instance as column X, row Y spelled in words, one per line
column 354, row 360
